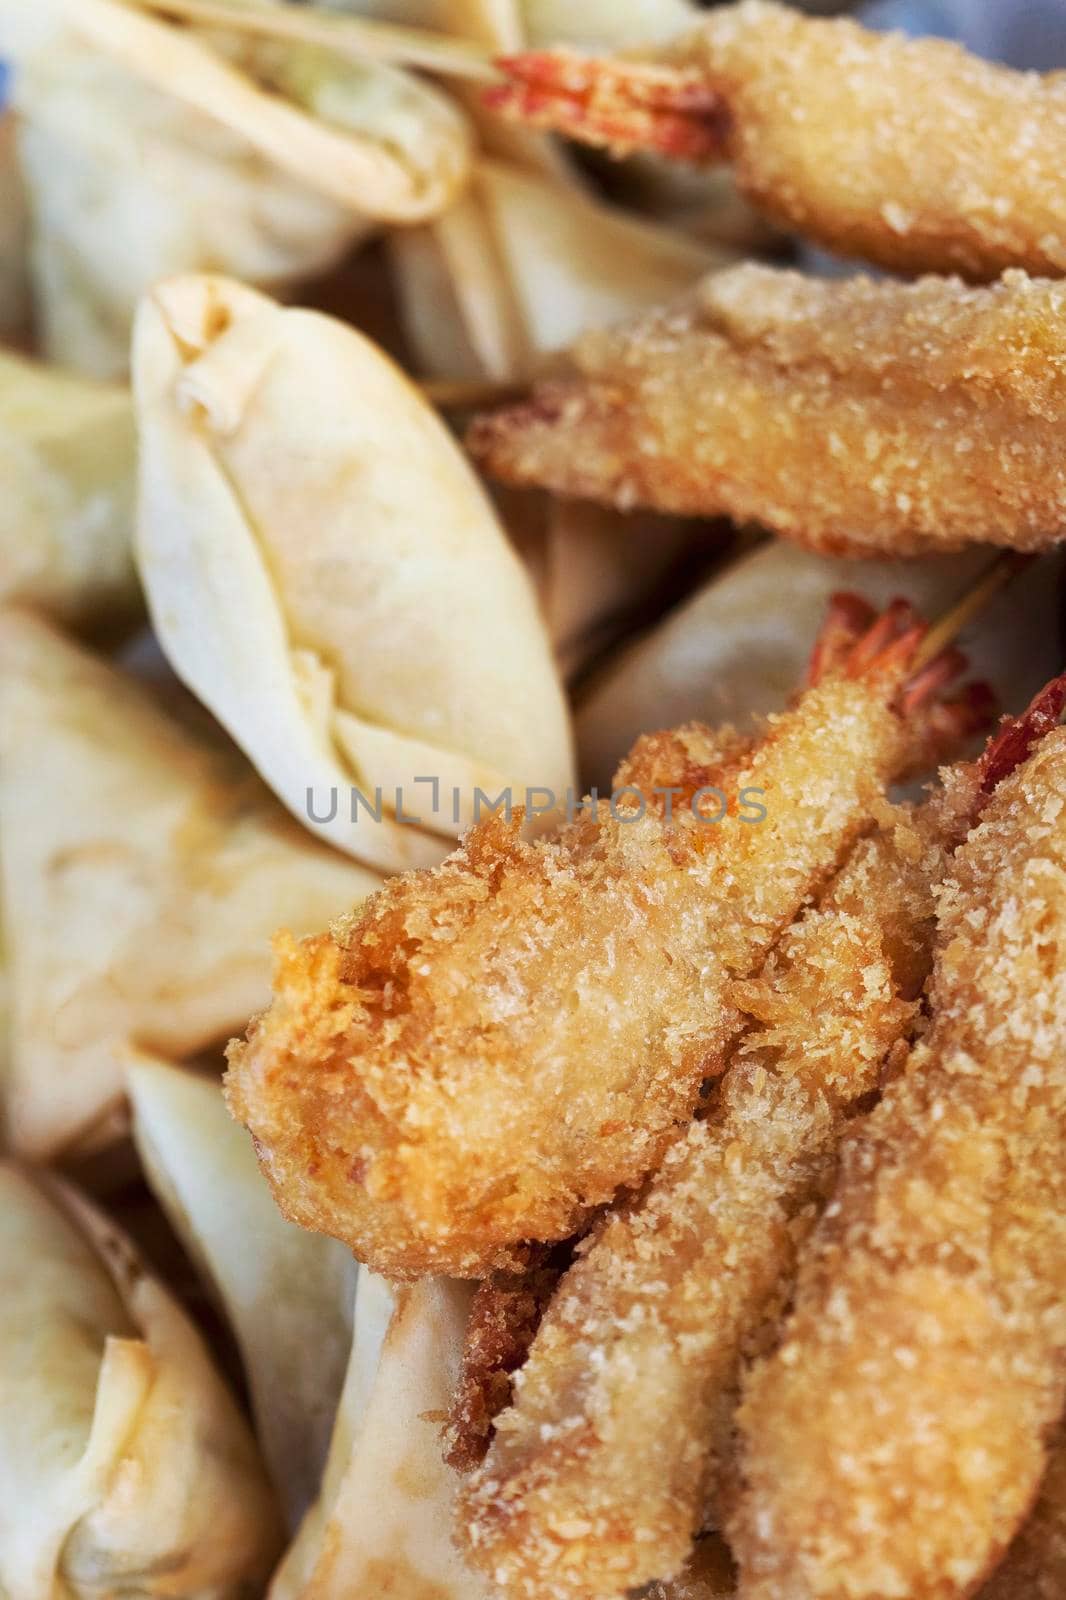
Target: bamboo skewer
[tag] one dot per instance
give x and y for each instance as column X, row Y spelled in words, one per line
column 1002, row 571
column 472, row 394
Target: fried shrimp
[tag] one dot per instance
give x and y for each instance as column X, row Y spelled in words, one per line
column 911, row 154
column 490, row 1049
column 851, row 416
column 895, row 1440
column 619, row 1442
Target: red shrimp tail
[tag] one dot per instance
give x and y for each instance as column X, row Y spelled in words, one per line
column 1018, row 736
column 855, row 641
column 942, row 729
column 847, row 619
column 619, row 105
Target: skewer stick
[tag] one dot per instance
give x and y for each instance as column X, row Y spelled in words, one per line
column 354, row 38
column 1002, row 571
column 471, row 394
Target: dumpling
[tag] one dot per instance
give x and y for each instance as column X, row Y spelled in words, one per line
column 383, row 1522
column 148, row 150
column 143, row 871
column 125, row 1465
column 288, row 1294
column 326, row 574
column 66, row 513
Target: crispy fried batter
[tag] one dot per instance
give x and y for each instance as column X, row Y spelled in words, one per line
column 622, row 1425
column 680, row 1288
column 1034, row 1567
column 490, row 1049
column 913, row 154
column 850, row 416
column 895, row 1441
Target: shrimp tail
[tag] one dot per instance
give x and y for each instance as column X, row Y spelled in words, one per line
column 619, row 105
column 1018, row 736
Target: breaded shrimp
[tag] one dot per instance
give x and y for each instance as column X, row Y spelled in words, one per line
column 911, row 154
column 620, row 1439
column 851, row 416
column 622, row 1422
column 895, row 1441
column 490, row 1049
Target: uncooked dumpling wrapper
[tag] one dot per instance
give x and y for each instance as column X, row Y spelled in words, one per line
column 288, row 1293
column 143, row 871
column 327, row 575
column 383, row 1523
column 125, row 1465
column 67, row 447
column 148, row 150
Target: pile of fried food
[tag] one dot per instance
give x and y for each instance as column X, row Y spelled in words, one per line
column 431, row 627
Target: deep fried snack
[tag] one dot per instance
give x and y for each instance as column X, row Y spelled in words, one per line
column 497, row 1045
column 619, row 1443
column 505, row 1314
column 912, row 154
column 896, row 1439
column 852, row 416
column 622, row 1422
column 1034, row 1567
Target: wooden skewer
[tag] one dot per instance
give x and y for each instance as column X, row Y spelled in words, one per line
column 472, row 394
column 354, row 38
column 1002, row 571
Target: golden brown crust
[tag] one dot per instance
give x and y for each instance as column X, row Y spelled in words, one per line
column 621, row 1432
column 911, row 154
column 894, row 1443
column 413, row 1088
column 851, row 416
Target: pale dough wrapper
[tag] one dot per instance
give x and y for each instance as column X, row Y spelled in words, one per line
column 288, row 1294
column 326, row 574
column 125, row 1465
column 606, row 24
column 383, row 1522
column 143, row 871
column 148, row 150
column 513, row 271
column 524, row 264
column 67, row 447
column 737, row 648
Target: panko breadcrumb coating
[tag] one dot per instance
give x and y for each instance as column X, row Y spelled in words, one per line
column 912, row 154
column 895, row 1441
column 619, row 1445
column 852, row 416
column 622, row 1424
column 490, row 1049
